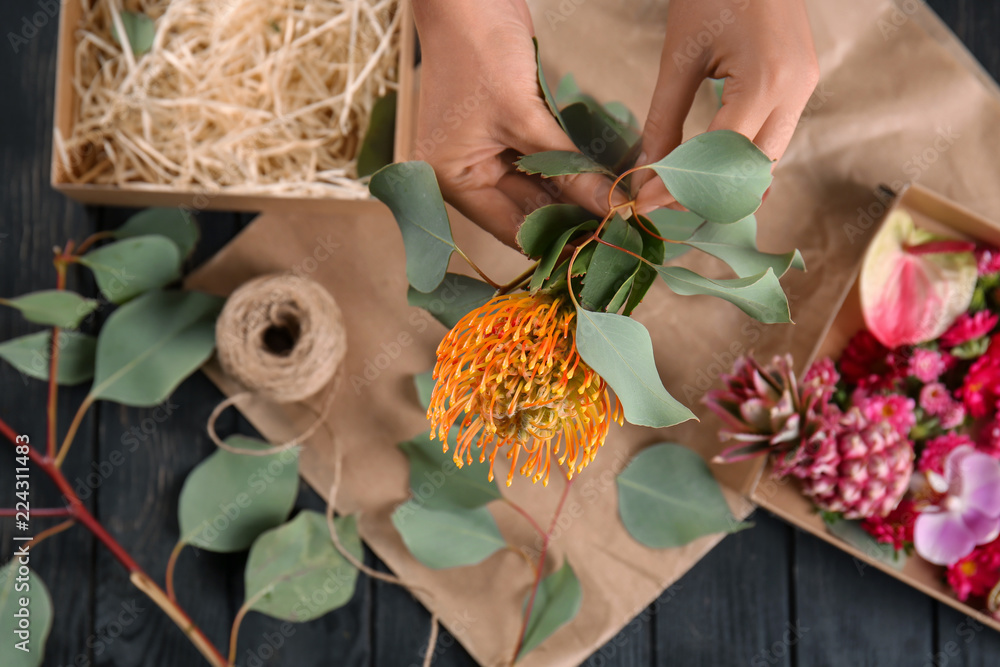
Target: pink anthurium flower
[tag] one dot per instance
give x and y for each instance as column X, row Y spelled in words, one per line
column 964, row 509
column 913, row 283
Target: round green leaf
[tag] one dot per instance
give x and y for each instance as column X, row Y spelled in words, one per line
column 620, row 350
column 668, row 497
column 556, row 603
column 54, row 308
column 229, row 499
column 174, row 223
column 30, row 355
column 298, row 572
column 736, row 245
column 719, row 175
column 147, row 347
column 126, row 269
column 448, row 537
column 451, row 300
column 437, row 483
column 411, row 192
column 17, row 586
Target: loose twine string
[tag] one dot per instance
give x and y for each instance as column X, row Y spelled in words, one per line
column 267, row 96
column 282, row 338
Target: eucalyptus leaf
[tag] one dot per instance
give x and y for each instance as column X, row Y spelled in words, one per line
column 140, row 30
column 600, row 136
column 55, row 308
column 555, row 250
column 148, row 346
column 759, row 296
column 453, row 298
column 611, row 267
column 567, row 91
column 856, row 536
column 438, row 484
column 623, row 115
column 556, row 603
column 289, row 564
column 40, row 609
column 544, row 85
column 544, row 226
column 174, row 223
column 736, row 245
column 379, row 143
column 654, row 251
column 127, row 268
column 447, row 537
column 719, row 175
column 411, row 192
column 424, row 383
column 673, row 225
column 619, row 349
column 30, row 355
column 229, row 499
column 668, row 497
column 559, row 163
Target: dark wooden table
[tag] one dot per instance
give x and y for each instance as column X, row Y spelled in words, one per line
column 767, row 596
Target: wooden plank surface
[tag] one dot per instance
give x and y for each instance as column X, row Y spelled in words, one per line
column 768, row 596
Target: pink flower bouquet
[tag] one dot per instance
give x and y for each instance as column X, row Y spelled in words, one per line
column 902, row 433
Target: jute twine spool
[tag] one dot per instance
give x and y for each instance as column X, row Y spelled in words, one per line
column 282, row 338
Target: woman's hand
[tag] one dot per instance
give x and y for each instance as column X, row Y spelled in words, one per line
column 481, row 107
column 763, row 48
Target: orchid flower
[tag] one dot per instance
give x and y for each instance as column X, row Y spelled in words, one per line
column 913, row 283
column 964, row 510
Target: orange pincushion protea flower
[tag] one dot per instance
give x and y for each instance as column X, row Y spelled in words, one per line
column 513, row 368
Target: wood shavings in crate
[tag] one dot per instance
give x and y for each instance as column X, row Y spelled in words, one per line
column 242, row 96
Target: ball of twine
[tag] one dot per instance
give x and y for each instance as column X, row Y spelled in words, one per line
column 282, row 337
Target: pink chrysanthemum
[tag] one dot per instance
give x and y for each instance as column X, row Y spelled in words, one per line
column 937, row 450
column 935, row 399
column 953, row 416
column 969, row 327
column 895, row 528
column 976, row 574
column 987, row 260
column 894, row 409
column 926, row 365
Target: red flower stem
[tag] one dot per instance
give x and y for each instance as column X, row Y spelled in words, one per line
column 137, row 575
column 520, row 510
column 53, row 403
column 546, row 538
column 44, row 512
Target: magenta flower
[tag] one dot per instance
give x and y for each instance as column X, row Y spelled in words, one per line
column 926, row 365
column 969, row 327
column 935, row 399
column 987, row 260
column 895, row 409
column 965, row 510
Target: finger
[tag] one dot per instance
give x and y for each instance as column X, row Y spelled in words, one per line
column 492, row 210
column 776, row 133
column 676, row 85
column 543, row 133
column 527, row 193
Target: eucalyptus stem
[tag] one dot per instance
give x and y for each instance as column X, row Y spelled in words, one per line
column 49, row 532
column 475, row 268
column 520, row 280
column 53, row 402
column 171, row 566
column 523, row 512
column 234, row 633
column 78, row 511
column 546, row 538
column 73, row 428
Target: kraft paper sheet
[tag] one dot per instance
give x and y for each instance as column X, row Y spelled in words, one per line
column 899, row 100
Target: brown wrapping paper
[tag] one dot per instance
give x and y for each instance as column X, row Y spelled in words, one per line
column 899, row 99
